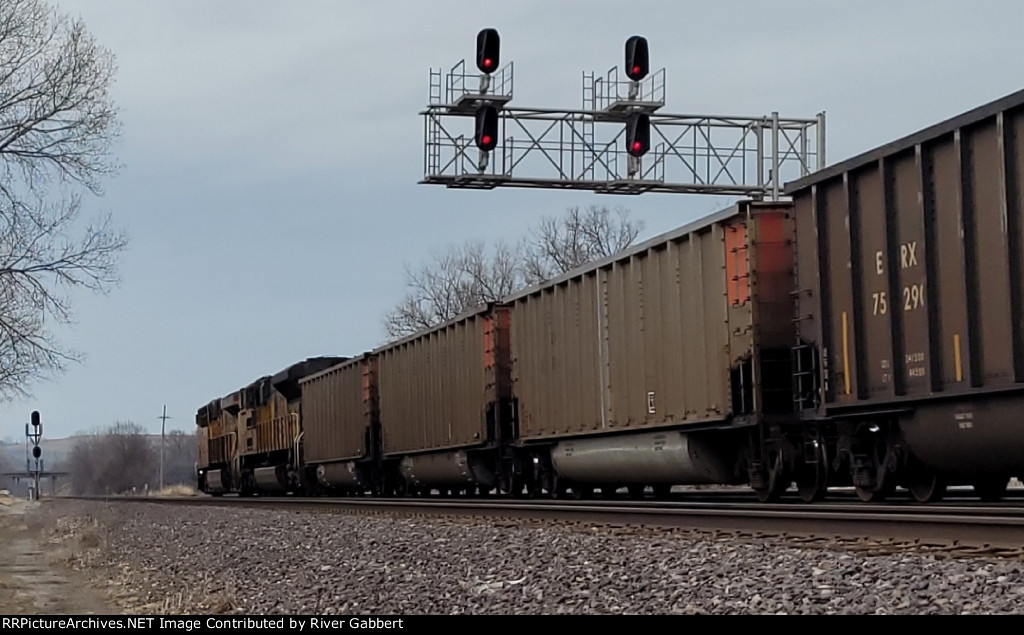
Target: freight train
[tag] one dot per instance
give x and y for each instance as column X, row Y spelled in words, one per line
column 867, row 332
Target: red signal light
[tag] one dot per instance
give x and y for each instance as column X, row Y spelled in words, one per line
column 637, row 58
column 488, row 50
column 638, row 134
column 486, row 135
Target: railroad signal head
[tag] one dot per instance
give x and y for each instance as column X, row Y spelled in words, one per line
column 486, row 136
column 637, row 58
column 638, row 134
column 35, row 418
column 37, row 452
column 488, row 48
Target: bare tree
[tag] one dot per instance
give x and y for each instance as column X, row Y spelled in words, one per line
column 453, row 282
column 581, row 236
column 6, row 465
column 181, row 450
column 464, row 277
column 57, row 125
column 82, row 464
column 113, row 461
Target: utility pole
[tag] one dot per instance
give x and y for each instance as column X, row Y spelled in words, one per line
column 163, row 426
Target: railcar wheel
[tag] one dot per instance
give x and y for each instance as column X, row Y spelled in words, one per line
column 771, row 494
column 812, row 478
column 926, row 486
column 878, row 493
column 811, row 483
column 609, row 491
column 662, row 492
column 512, row 485
column 636, row 492
column 582, row 492
column 776, row 479
column 991, row 489
column 870, row 472
column 561, row 488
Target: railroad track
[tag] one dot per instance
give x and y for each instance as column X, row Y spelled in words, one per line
column 948, row 530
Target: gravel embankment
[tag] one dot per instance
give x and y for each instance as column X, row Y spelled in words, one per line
column 169, row 559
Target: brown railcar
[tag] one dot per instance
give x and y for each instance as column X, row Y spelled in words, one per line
column 444, row 402
column 910, row 290
column 642, row 369
column 340, row 425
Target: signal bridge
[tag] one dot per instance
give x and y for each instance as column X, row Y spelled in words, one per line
column 618, row 142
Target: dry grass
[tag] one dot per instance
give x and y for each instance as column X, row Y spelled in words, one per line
column 221, row 603
column 176, row 490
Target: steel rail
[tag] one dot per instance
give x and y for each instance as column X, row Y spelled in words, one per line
column 969, row 529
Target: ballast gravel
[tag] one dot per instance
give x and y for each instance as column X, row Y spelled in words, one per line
column 170, row 559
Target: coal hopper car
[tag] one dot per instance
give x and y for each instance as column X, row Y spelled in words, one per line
column 910, row 291
column 666, row 364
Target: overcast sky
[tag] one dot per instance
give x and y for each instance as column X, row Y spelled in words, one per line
column 272, row 152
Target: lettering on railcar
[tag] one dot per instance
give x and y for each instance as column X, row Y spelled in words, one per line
column 964, row 420
column 912, row 294
column 908, row 255
column 915, row 364
column 913, row 297
column 881, row 306
column 879, row 302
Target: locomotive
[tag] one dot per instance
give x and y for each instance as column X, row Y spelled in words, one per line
column 867, row 332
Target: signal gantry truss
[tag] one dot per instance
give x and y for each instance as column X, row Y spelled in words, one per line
column 585, row 149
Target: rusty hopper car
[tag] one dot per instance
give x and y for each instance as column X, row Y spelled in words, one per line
column 445, row 404
column 665, row 364
column 341, row 428
column 910, row 293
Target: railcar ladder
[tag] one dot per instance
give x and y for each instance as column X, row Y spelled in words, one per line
column 805, row 377
column 804, row 362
